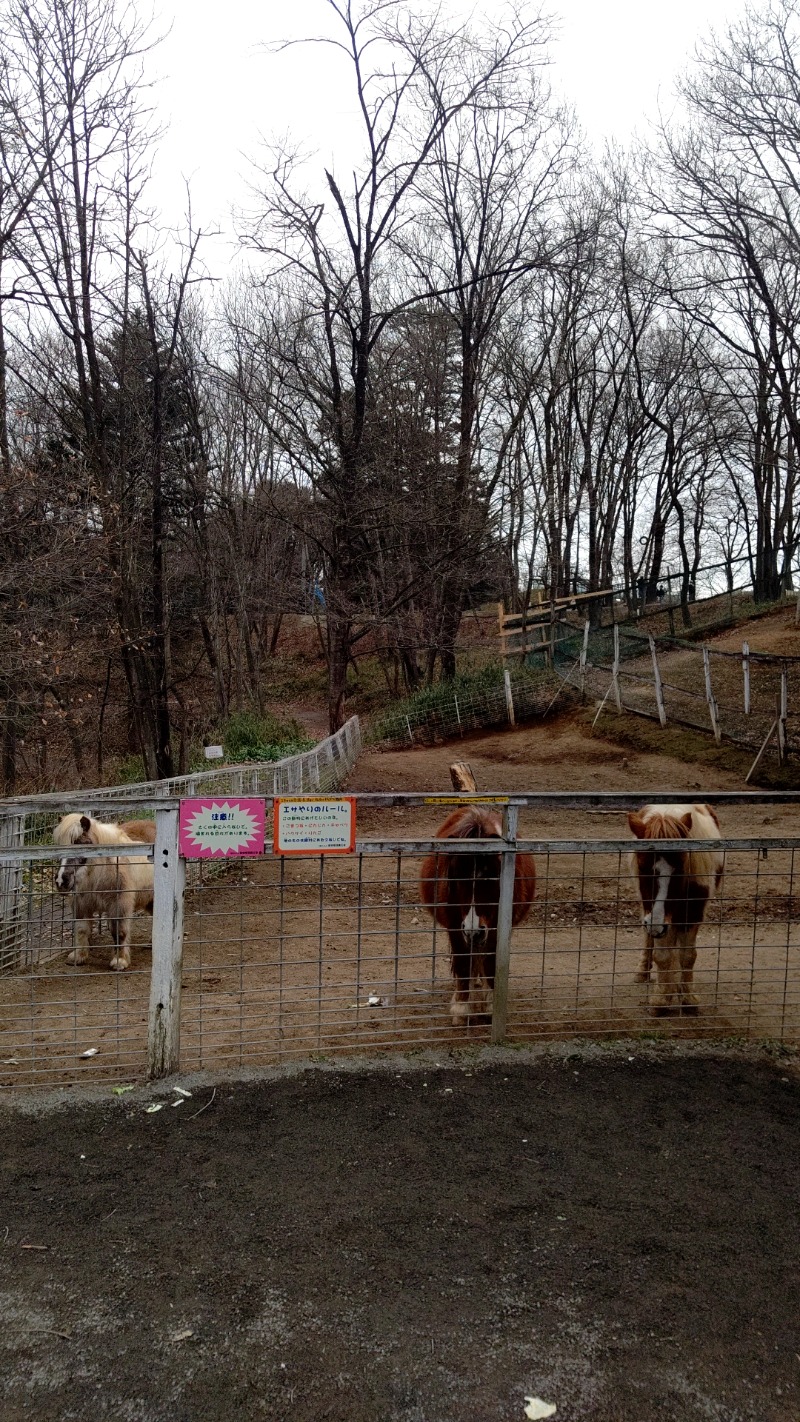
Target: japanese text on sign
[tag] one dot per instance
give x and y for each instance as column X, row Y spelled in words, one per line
column 222, row 828
column 315, row 825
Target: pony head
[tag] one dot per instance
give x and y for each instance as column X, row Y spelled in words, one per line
column 658, row 869
column 78, row 832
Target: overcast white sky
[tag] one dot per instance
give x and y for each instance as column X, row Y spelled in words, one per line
column 613, row 61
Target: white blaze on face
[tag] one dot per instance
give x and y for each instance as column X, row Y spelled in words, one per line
column 471, row 925
column 60, row 876
column 654, row 920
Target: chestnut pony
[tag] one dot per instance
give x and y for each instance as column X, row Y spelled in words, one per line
column 462, row 892
column 675, row 886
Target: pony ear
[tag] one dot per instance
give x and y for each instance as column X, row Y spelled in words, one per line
column 86, row 824
column 685, row 825
column 637, row 824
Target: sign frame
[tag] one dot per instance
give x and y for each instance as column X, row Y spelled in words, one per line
column 310, row 849
column 253, row 805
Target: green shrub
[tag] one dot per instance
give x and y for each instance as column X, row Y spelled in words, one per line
column 246, row 736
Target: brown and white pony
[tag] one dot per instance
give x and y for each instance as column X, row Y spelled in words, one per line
column 462, row 892
column 675, row 886
column 117, row 887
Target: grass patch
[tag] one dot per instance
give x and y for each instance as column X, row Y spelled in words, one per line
column 473, row 700
column 247, row 736
column 682, row 743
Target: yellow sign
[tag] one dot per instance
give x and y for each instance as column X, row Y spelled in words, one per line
column 464, row 800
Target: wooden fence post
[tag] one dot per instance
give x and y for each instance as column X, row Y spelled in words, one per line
column 505, row 914
column 657, row 681
column 713, row 709
column 783, row 711
column 509, row 698
column 169, row 873
column 746, row 675
column 615, row 669
column 584, row 655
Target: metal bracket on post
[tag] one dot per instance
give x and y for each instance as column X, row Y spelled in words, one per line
column 164, row 1023
column 505, row 915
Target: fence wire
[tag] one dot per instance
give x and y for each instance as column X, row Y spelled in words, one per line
column 291, row 958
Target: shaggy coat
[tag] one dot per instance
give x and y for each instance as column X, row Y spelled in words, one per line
column 117, row 887
column 462, row 892
column 675, row 887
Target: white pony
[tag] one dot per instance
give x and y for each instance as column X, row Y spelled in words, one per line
column 118, row 887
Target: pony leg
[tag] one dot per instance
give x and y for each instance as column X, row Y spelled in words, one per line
column 666, row 994
column 646, row 961
column 687, row 954
column 121, row 931
column 460, row 966
column 82, row 927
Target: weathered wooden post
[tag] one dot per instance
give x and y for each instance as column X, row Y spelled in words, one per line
column 164, row 1025
column 615, row 669
column 584, row 655
column 509, row 698
column 462, row 777
column 505, row 914
column 662, row 710
column 746, row 675
column 713, row 709
column 783, row 712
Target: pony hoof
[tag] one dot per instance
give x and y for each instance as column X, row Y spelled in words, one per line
column 662, row 1007
column 691, row 1004
column 641, row 977
column 80, row 955
column 119, row 963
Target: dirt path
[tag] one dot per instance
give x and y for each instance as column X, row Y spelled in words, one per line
column 613, row 1233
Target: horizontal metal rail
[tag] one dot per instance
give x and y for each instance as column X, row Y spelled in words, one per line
column 56, row 852
column 585, row 800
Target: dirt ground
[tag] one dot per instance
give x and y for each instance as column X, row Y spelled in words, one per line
column 613, row 1232
column 280, row 964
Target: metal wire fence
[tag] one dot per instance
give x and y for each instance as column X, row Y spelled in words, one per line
column 736, row 694
column 286, row 958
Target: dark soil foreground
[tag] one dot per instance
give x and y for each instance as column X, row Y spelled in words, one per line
column 619, row 1237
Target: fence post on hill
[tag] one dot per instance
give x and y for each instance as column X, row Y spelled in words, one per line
column 746, row 675
column 505, row 914
column 662, row 710
column 164, row 1023
column 713, row 709
column 509, row 698
column 783, row 711
column 615, row 669
column 584, row 655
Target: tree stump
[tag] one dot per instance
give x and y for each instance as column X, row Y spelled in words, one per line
column 462, row 777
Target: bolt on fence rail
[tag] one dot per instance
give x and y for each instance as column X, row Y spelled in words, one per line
column 280, row 959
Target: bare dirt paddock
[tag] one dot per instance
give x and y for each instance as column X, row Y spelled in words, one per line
column 287, row 959
column 611, row 1230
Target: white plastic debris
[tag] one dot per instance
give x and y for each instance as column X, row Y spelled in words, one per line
column 373, row 1000
column 182, row 1335
column 92, row 1052
column 179, row 1102
column 536, row 1409
column 179, row 1091
column 154, row 1106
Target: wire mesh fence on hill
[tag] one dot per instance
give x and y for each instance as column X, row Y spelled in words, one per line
column 740, row 695
column 458, row 708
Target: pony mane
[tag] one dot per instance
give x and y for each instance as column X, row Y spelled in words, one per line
column 665, row 822
column 471, row 822
column 69, row 831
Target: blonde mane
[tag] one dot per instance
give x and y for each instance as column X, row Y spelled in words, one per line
column 670, row 822
column 69, row 831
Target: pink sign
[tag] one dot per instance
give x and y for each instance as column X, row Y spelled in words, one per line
column 222, row 828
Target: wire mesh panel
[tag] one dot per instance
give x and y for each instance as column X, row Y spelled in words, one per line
column 60, row 1021
column 576, row 960
column 292, row 957
column 295, row 957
